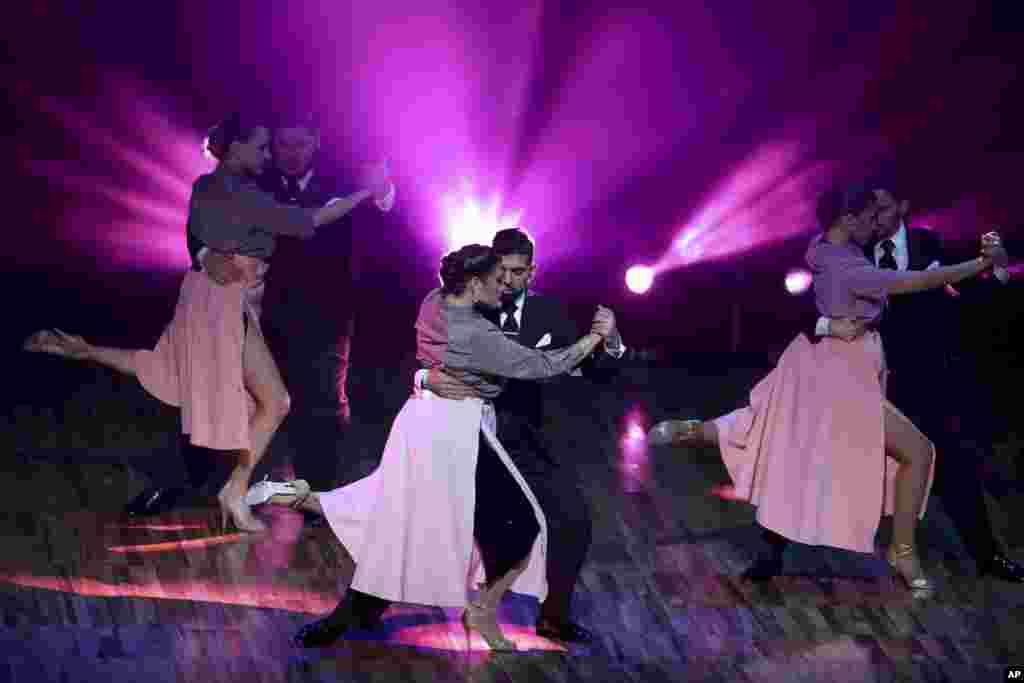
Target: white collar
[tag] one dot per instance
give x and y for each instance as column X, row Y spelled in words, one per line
column 303, row 181
column 899, row 239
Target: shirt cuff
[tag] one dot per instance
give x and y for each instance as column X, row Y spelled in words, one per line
column 821, row 328
column 616, row 353
column 1002, row 274
column 388, row 202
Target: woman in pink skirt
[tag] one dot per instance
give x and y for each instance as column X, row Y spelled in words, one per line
column 212, row 361
column 819, row 450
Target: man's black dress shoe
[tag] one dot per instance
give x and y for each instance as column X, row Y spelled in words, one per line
column 1002, row 567
column 154, row 501
column 764, row 569
column 565, row 631
column 322, row 632
column 355, row 610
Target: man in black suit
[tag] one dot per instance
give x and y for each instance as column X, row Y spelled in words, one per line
column 917, row 362
column 540, row 321
column 311, row 350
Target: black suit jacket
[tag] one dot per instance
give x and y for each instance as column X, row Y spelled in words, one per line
column 543, row 315
column 921, row 332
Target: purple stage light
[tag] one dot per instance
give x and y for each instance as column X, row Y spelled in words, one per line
column 767, row 198
column 129, row 178
column 639, row 279
column 798, row 281
column 468, row 220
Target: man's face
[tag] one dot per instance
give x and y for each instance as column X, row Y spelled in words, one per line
column 254, row 152
column 294, row 149
column 515, row 274
column 889, row 213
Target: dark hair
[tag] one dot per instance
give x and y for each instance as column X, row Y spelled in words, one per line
column 297, row 119
column 886, row 177
column 230, row 130
column 838, row 201
column 459, row 267
column 512, row 241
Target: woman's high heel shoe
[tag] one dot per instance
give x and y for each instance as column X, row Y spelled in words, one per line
column 266, row 491
column 239, row 513
column 476, row 618
column 918, row 583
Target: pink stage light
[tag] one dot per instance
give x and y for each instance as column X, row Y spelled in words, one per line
column 639, row 279
column 798, row 281
column 468, row 220
column 635, row 433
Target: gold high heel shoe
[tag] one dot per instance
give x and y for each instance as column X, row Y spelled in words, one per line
column 919, row 585
column 471, row 620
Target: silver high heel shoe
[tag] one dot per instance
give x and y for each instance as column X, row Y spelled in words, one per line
column 920, row 585
column 263, row 491
column 674, row 432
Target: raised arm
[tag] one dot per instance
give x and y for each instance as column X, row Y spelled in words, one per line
column 919, row 281
column 868, row 281
column 494, row 353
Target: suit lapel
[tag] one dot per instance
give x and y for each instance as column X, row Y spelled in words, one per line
column 528, row 323
column 916, row 256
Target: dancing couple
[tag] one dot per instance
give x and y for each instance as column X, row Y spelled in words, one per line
column 446, row 490
column 819, row 449
column 212, row 360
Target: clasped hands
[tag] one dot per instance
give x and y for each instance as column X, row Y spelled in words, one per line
column 992, row 248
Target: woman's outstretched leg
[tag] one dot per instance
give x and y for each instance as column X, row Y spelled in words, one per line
column 915, row 453
column 73, row 347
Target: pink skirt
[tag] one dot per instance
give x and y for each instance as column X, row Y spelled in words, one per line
column 197, row 363
column 809, row 450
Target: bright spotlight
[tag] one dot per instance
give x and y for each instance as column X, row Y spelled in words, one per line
column 639, row 279
column 798, row 281
column 469, row 220
column 635, row 433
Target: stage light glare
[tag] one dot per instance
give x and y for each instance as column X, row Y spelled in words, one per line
column 639, row 279
column 798, row 281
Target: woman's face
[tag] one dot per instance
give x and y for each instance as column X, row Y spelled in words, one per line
column 487, row 288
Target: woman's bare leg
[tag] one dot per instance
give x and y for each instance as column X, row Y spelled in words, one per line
column 914, row 452
column 263, row 381
column 482, row 614
column 73, row 347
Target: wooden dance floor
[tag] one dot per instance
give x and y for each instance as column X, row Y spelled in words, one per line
column 90, row 595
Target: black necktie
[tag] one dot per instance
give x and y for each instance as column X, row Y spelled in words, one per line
column 888, row 260
column 292, row 189
column 511, row 327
